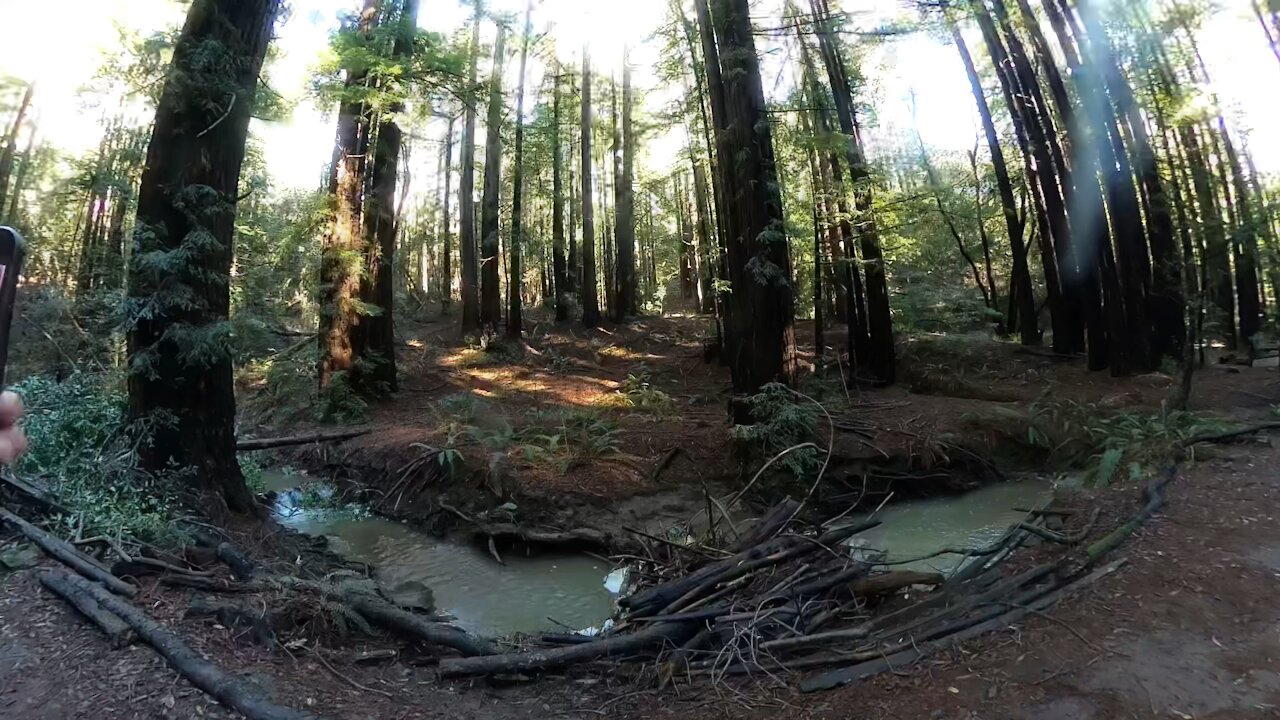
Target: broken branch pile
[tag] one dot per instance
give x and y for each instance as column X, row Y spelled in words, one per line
column 791, row 600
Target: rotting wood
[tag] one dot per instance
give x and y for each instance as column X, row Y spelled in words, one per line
column 249, row 444
column 511, row 533
column 223, row 686
column 69, row 556
column 117, row 631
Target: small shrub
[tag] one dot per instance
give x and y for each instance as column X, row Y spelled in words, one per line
column 782, row 421
column 637, row 392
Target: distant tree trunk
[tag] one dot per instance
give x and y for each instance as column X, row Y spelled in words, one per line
column 560, row 267
column 446, row 225
column 1245, row 255
column 377, row 372
column 706, row 248
column 573, row 268
column 490, row 270
column 340, row 255
column 20, row 180
column 760, row 334
column 11, row 142
column 1272, row 41
column 515, row 310
column 180, row 362
column 1023, row 295
column 625, row 223
column 879, row 321
column 590, row 296
column 469, row 287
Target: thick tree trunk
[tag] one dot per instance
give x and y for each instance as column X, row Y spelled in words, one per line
column 20, row 180
column 469, row 286
column 490, row 270
column 560, row 267
column 706, row 249
column 340, row 256
column 590, row 296
column 181, row 367
column 760, row 334
column 625, row 222
column 879, row 321
column 573, row 266
column 376, row 373
column 446, row 225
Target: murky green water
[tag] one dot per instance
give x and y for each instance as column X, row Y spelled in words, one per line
column 484, row 597
column 920, row 527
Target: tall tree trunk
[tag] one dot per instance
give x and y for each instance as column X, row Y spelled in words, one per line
column 11, row 142
column 560, row 267
column 1245, row 252
column 1023, row 295
column 1272, row 41
column 377, row 371
column 515, row 309
column 181, row 367
column 626, row 214
column 706, row 249
column 341, row 255
column 590, row 297
column 879, row 321
column 20, row 180
column 760, row 334
column 573, row 268
column 490, row 260
column 469, row 286
column 446, row 225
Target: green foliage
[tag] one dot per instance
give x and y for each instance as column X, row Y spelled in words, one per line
column 782, row 421
column 637, row 392
column 340, row 402
column 81, row 446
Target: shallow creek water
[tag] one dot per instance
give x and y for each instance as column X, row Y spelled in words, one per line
column 919, row 527
column 530, row 595
column 483, row 596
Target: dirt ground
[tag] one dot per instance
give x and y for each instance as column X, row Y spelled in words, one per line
column 1189, row 628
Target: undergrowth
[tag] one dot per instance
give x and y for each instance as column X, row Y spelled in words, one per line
column 563, row 437
column 1103, row 445
column 783, row 420
column 637, row 393
column 81, row 447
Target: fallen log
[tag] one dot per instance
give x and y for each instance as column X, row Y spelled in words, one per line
column 554, row 658
column 117, row 631
column 222, row 686
column 1230, row 434
column 899, row 660
column 69, row 556
column 318, row 437
column 579, row 538
column 1153, row 500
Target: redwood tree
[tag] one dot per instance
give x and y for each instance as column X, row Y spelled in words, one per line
column 180, row 365
column 590, row 299
column 490, row 295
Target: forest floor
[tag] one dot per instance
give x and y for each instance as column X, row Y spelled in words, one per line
column 1188, row 628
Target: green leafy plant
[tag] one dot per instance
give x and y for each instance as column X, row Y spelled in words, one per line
column 782, row 421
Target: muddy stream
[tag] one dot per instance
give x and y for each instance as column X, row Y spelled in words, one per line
column 531, row 595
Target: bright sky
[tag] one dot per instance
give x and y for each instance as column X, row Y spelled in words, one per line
column 297, row 149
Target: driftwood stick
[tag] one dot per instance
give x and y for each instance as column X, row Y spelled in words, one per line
column 224, row 687
column 1153, row 495
column 267, row 443
column 117, row 632
column 550, row 659
column 69, row 556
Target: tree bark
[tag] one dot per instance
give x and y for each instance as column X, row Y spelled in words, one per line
column 341, row 256
column 879, row 321
column 377, row 371
column 180, row 364
column 590, row 297
column 446, row 225
column 515, row 308
column 469, row 287
column 560, row 269
column 760, row 334
column 20, row 180
column 625, row 214
column 490, row 270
